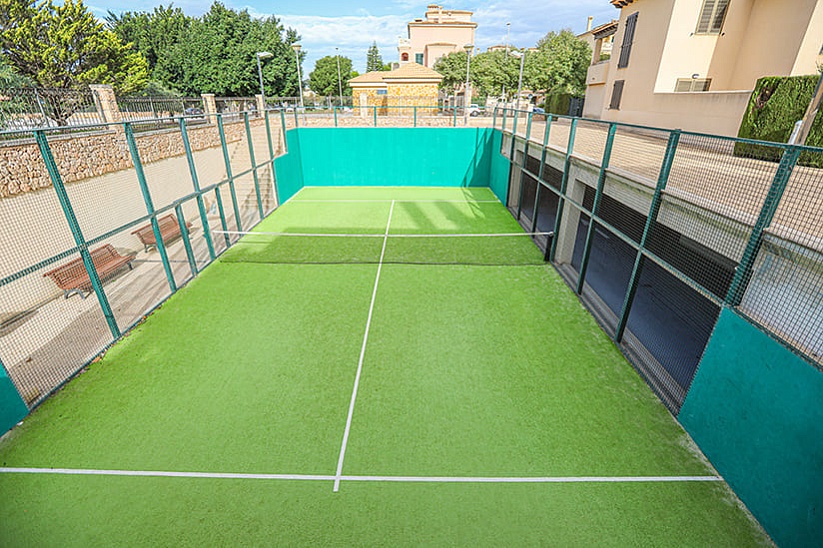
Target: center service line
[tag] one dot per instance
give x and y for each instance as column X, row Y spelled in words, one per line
column 339, row 473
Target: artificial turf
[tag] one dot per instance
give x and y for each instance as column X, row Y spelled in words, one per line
column 470, row 370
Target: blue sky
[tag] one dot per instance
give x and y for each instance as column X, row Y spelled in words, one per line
column 352, row 26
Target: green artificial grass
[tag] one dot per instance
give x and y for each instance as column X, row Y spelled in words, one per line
column 470, row 370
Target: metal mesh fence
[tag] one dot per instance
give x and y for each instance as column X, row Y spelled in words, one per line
column 107, row 225
column 659, row 229
column 34, row 108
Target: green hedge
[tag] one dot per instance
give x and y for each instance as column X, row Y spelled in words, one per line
column 775, row 105
column 558, row 103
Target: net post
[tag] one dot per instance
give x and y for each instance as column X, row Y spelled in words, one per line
column 76, row 232
column 196, row 183
column 144, row 189
column 253, row 166
column 334, row 110
column 184, row 232
column 229, row 175
column 563, row 185
column 598, row 194
column 743, row 272
column 651, row 220
column 415, row 116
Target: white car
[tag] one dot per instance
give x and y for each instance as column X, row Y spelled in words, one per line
column 475, row 110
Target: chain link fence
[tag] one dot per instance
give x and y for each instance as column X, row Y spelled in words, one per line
column 104, row 227
column 658, row 230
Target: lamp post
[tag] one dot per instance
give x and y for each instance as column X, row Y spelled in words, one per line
column 466, row 95
column 506, row 59
column 296, row 48
column 339, row 82
column 522, row 56
column 262, row 55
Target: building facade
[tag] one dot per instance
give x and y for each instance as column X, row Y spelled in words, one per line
column 692, row 64
column 443, row 31
column 410, row 85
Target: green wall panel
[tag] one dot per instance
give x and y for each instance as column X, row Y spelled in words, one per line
column 287, row 168
column 12, row 407
column 498, row 168
column 756, row 411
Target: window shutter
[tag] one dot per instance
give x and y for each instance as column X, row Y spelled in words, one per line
column 712, row 16
column 628, row 39
column 617, row 94
column 719, row 16
column 683, row 85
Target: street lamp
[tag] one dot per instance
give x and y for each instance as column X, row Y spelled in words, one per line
column 522, row 56
column 339, row 83
column 296, row 48
column 262, row 55
column 466, row 95
column 506, row 59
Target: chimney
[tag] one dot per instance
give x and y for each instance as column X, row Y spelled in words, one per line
column 589, row 24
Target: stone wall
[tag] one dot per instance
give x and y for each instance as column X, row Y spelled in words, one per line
column 94, row 154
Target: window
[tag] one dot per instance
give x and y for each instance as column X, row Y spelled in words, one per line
column 692, row 84
column 712, row 16
column 404, row 57
column 382, row 92
column 418, row 58
column 628, row 39
column 617, row 94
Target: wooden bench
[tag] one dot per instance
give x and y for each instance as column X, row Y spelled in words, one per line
column 73, row 278
column 169, row 231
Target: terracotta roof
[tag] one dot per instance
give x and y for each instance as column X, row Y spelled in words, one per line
column 621, row 3
column 407, row 71
column 373, row 77
column 440, row 44
column 412, row 71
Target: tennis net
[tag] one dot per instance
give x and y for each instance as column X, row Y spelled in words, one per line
column 510, row 249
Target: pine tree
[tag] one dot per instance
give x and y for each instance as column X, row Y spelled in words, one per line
column 374, row 61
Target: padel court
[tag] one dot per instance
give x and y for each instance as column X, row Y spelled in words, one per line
column 381, row 366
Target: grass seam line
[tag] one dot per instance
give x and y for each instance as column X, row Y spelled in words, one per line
column 362, row 356
column 395, row 479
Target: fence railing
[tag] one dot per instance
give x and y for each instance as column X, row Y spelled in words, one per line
column 23, row 109
column 658, row 229
column 110, row 224
column 385, row 115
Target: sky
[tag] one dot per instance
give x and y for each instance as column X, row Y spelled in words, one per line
column 352, row 26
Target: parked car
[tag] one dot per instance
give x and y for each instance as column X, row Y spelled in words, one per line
column 475, row 110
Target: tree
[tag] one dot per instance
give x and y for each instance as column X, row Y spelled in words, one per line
column 215, row 53
column 65, row 47
column 559, row 65
column 490, row 72
column 323, row 79
column 10, row 78
column 374, row 61
column 453, row 69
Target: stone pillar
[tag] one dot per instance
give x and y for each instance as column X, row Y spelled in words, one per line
column 107, row 103
column 261, row 104
column 209, row 107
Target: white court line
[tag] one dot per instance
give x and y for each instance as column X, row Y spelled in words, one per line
column 392, row 236
column 337, row 478
column 362, row 355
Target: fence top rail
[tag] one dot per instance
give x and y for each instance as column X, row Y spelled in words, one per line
column 784, row 146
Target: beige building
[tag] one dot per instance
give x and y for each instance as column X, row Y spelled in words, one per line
column 692, row 64
column 443, row 31
column 411, row 84
column 600, row 39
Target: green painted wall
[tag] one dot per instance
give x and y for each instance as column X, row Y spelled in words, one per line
column 392, row 157
column 288, row 170
column 12, row 407
column 756, row 411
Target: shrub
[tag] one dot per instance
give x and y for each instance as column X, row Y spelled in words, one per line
column 775, row 105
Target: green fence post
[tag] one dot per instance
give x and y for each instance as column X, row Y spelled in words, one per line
column 651, row 220
column 505, row 112
column 229, row 175
column 74, row 226
column 516, row 114
column 335, row 115
column 563, row 184
column 283, row 126
column 253, row 166
column 415, row 116
column 296, row 119
column 454, row 116
column 374, row 112
column 144, row 188
column 743, row 272
column 268, row 136
column 196, row 183
column 184, row 233
column 222, row 216
column 540, row 172
column 598, row 194
column 271, row 160
column 522, row 168
column 494, row 117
